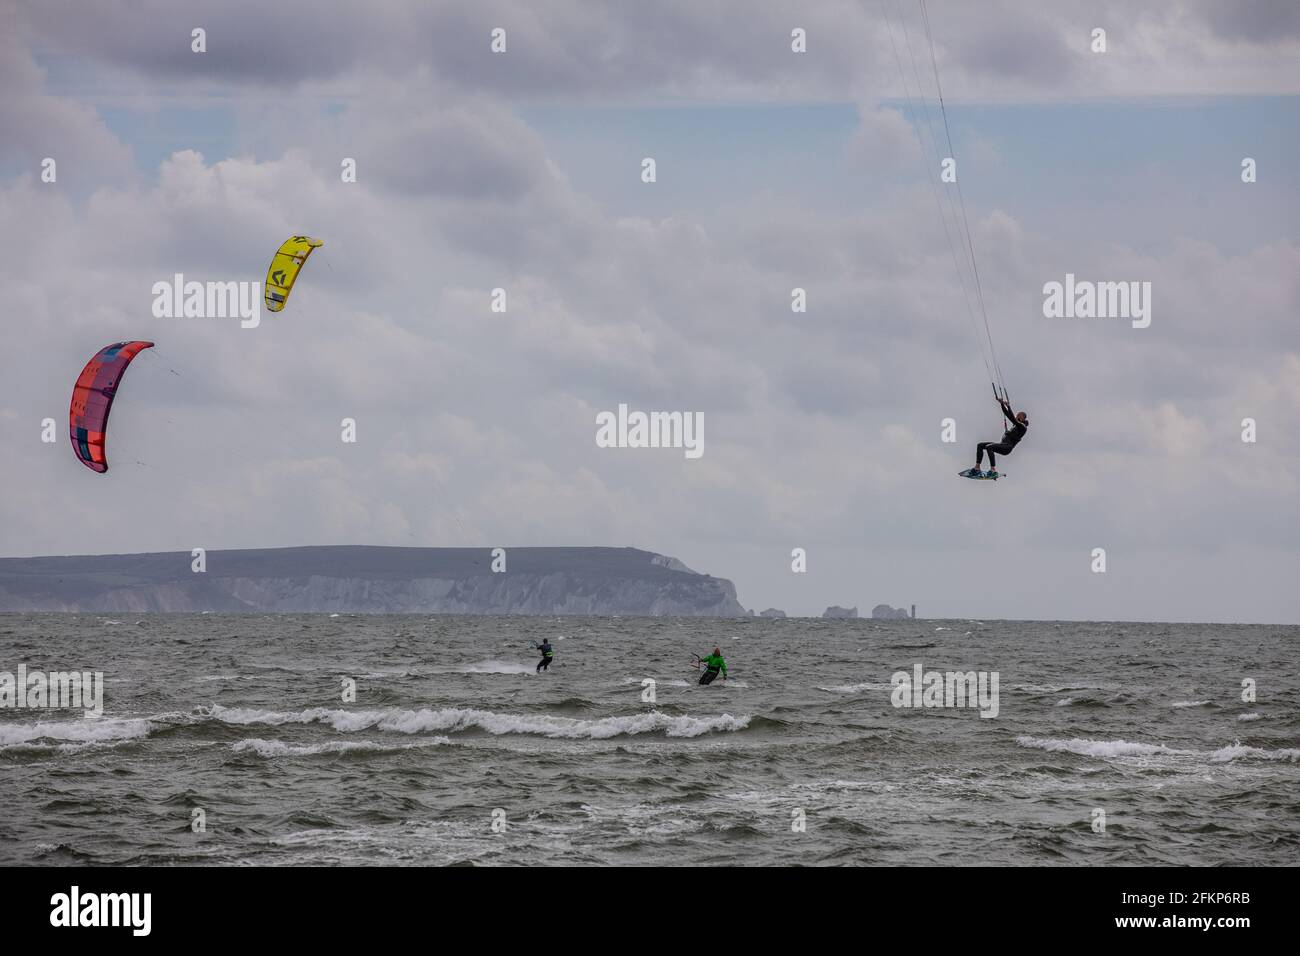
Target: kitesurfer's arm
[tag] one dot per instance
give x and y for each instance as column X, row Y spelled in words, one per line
column 1006, row 410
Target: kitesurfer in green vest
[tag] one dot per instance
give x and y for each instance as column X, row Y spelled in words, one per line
column 548, row 652
column 712, row 664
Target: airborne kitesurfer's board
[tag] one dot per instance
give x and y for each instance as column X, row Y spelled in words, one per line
column 980, row 475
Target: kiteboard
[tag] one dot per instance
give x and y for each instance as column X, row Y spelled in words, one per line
column 980, row 475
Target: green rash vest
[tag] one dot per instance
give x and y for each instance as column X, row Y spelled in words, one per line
column 713, row 662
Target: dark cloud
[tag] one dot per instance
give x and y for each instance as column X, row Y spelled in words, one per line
column 1265, row 22
column 679, row 48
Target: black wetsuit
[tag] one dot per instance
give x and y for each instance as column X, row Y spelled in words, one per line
column 547, row 653
column 1010, row 439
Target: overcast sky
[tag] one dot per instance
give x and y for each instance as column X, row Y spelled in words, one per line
column 776, row 170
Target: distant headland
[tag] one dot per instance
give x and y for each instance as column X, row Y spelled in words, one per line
column 376, row 580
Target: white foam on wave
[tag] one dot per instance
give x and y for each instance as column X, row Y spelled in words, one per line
column 1253, row 715
column 1096, row 748
column 44, row 746
column 854, row 688
column 495, row 667
column 1189, row 703
column 1226, row 754
column 1065, row 702
column 455, row 719
column 99, row 730
column 1124, row 748
column 381, row 675
column 644, row 819
column 278, row 748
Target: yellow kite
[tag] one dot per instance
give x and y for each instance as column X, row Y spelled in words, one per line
column 285, row 268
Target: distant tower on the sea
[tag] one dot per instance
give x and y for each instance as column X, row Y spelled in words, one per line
column 914, row 612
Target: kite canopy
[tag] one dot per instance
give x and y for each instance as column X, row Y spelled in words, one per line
column 92, row 399
column 285, row 268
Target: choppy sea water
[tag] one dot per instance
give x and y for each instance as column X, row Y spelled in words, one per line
column 456, row 752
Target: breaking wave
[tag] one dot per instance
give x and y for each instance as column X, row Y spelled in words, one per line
column 102, row 730
column 1124, row 748
column 278, row 748
column 456, row 719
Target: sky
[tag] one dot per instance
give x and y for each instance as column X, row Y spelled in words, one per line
column 775, row 170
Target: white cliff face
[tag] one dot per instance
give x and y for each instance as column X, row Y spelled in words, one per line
column 560, row 593
column 559, row 581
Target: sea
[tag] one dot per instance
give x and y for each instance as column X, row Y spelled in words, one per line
column 416, row 740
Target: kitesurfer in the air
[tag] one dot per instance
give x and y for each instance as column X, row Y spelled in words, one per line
column 712, row 664
column 548, row 652
column 1010, row 438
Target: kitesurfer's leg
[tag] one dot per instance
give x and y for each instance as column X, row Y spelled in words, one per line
column 979, row 454
column 1001, row 448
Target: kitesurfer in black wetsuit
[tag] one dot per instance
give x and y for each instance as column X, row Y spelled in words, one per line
column 1010, row 438
column 548, row 653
